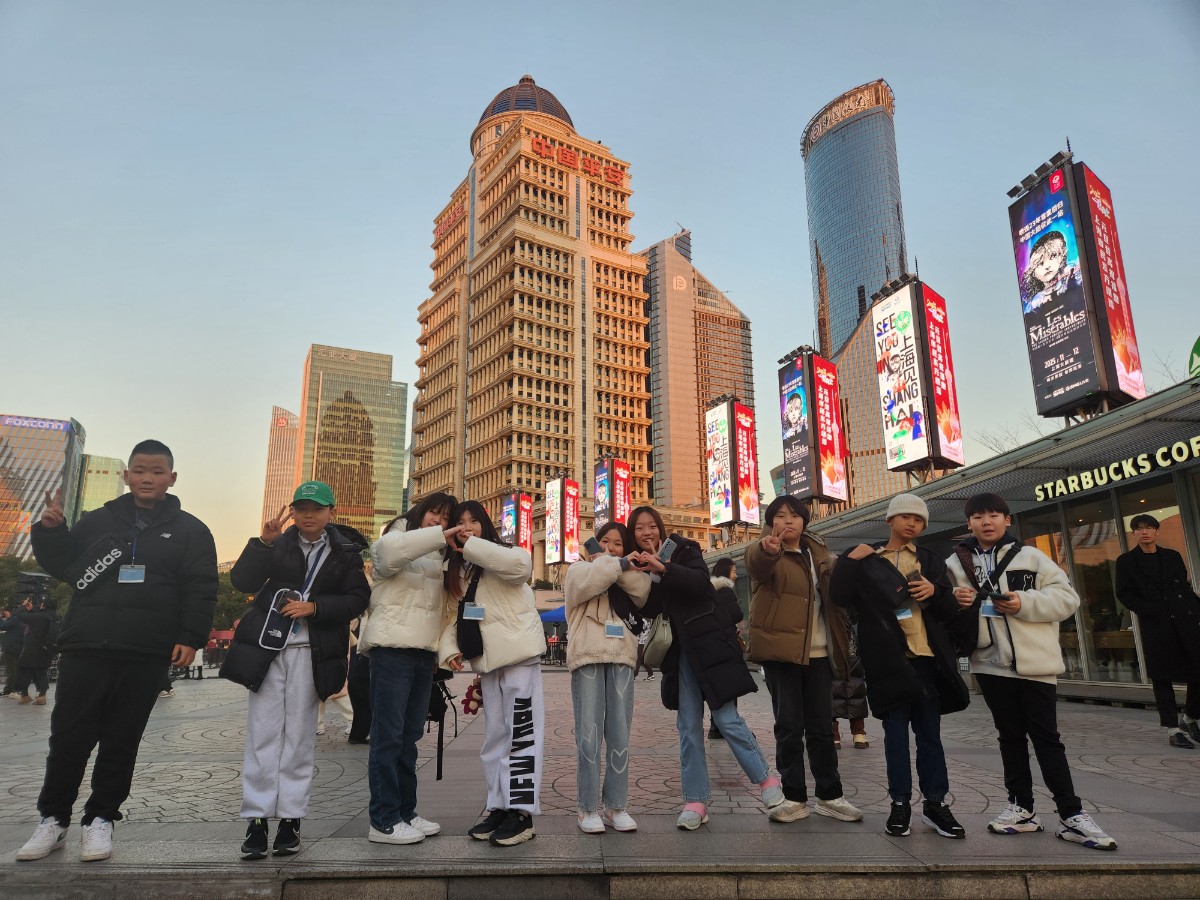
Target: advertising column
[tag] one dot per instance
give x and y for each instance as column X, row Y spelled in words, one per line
column 946, row 432
column 718, row 455
column 525, row 523
column 570, row 521
column 898, row 358
column 797, row 438
column 747, row 465
column 554, row 521
column 602, row 494
column 831, row 439
column 622, row 500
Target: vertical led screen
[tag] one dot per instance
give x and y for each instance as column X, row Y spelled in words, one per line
column 797, row 439
column 554, row 522
column 899, row 362
column 622, row 501
column 602, row 495
column 747, row 465
column 1109, row 273
column 570, row 521
column 946, row 432
column 525, row 523
column 1053, row 301
column 831, row 440
column 717, row 453
column 508, row 519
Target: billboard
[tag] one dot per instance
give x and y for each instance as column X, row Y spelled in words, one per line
column 554, row 522
column 622, row 497
column 946, row 430
column 570, row 521
column 797, row 438
column 718, row 455
column 525, row 522
column 747, row 464
column 1110, row 288
column 508, row 519
column 602, row 494
column 899, row 360
column 831, row 438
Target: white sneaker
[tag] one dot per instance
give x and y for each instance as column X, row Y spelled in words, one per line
column 619, row 820
column 591, row 823
column 788, row 811
column 47, row 837
column 1015, row 819
column 400, row 833
column 1082, row 829
column 839, row 808
column 427, row 828
column 97, row 840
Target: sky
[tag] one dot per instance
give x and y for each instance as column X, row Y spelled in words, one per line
column 191, row 194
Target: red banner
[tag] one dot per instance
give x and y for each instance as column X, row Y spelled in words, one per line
column 830, row 441
column 525, row 523
column 570, row 521
column 947, row 433
column 747, row 464
column 622, row 500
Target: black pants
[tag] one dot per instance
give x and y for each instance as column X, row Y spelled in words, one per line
column 802, row 701
column 358, row 685
column 99, row 700
column 1168, row 710
column 9, row 661
column 1024, row 711
column 39, row 678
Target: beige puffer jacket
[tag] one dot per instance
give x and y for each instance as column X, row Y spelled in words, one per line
column 586, row 589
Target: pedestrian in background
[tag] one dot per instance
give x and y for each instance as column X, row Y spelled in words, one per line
column 13, row 624
column 37, row 652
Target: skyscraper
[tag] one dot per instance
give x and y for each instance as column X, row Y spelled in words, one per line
column 351, row 434
column 36, row 456
column 281, row 461
column 699, row 350
column 532, row 347
column 103, row 480
column 855, row 218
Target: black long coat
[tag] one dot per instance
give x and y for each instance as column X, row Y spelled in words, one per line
column 36, row 651
column 1155, row 586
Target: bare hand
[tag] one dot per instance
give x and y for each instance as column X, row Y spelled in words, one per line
column 651, row 563
column 772, row 545
column 451, row 535
column 182, row 655
column 273, row 528
column 52, row 515
column 299, row 609
column 920, row 590
column 862, row 551
column 1009, row 606
column 455, row 663
column 964, row 595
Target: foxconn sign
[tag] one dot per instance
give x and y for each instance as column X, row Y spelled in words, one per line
column 42, row 424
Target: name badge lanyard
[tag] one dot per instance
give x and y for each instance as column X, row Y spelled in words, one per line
column 308, row 579
column 989, row 566
column 133, row 573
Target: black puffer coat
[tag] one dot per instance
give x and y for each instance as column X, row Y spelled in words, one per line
column 341, row 593
column 850, row 694
column 37, row 651
column 703, row 627
column 1156, row 587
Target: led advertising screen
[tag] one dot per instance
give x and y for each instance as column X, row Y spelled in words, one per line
column 602, row 494
column 1108, row 270
column 797, row 438
column 508, row 519
column 946, row 432
column 747, row 464
column 899, row 362
column 1053, row 300
column 570, row 521
column 718, row 453
column 554, row 522
column 622, row 497
column 831, row 439
column 525, row 523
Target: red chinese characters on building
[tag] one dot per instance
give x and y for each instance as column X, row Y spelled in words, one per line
column 448, row 221
column 571, row 159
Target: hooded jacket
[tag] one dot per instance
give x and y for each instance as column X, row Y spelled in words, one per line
column 1024, row 644
column 339, row 589
column 409, row 604
column 588, row 611
column 173, row 605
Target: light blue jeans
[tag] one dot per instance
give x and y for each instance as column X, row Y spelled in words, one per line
column 689, row 721
column 602, row 694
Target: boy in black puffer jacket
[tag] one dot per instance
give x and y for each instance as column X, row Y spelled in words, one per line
column 321, row 565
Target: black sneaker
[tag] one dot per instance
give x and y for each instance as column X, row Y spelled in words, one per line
column 1192, row 728
column 714, row 733
column 255, row 845
column 1180, row 740
column 287, row 838
column 897, row 823
column 517, row 829
column 938, row 817
column 483, row 830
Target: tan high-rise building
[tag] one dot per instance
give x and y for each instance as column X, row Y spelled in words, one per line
column 533, row 341
column 699, row 350
column 281, row 461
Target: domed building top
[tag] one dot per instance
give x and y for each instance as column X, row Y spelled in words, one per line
column 525, row 96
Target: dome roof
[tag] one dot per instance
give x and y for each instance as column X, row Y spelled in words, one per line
column 525, row 96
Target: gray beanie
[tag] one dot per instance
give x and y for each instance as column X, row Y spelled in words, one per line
column 907, row 503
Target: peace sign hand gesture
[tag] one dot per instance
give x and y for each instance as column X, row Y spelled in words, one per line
column 273, row 528
column 52, row 515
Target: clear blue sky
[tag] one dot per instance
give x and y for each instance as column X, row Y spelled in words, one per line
column 192, row 193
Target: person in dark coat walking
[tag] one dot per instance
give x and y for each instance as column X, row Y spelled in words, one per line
column 13, row 625
column 1153, row 582
column 704, row 664
column 724, row 572
column 37, row 652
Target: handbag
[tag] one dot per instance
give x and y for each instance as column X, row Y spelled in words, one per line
column 658, row 641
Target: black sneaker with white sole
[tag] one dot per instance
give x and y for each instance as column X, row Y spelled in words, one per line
column 897, row 823
column 517, row 829
column 483, row 830
column 938, row 817
column 287, row 838
column 255, row 845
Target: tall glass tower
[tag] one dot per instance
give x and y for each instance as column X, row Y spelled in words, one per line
column 855, row 218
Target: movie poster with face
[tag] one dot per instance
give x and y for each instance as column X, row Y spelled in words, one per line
column 797, row 439
column 602, row 495
column 570, row 521
column 1053, row 301
column 717, row 455
column 525, row 523
column 898, row 360
column 831, row 440
column 622, row 498
column 554, row 525
column 508, row 519
column 946, row 431
column 747, row 464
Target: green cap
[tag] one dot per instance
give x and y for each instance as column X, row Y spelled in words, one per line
column 316, row 491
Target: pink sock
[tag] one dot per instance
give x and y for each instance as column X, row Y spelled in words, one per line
column 770, row 782
column 697, row 808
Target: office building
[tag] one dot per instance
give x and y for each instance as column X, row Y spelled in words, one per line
column 855, row 217
column 103, row 480
column 532, row 348
column 350, row 434
column 36, row 456
column 699, row 350
column 281, row 481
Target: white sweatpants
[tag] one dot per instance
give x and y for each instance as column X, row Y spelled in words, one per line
column 514, row 722
column 281, row 743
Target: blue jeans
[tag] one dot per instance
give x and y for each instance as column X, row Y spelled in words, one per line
column 689, row 722
column 401, row 680
column 923, row 716
column 602, row 694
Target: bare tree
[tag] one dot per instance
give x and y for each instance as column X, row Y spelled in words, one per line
column 1166, row 371
column 1008, row 435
